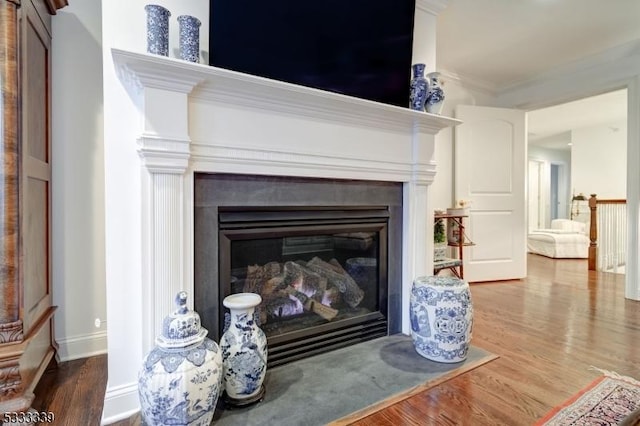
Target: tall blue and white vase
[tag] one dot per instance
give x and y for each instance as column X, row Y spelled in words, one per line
column 181, row 378
column 157, row 29
column 435, row 97
column 418, row 88
column 189, row 27
column 441, row 314
column 244, row 351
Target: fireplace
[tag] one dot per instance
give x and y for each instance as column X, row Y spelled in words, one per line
column 324, row 254
column 175, row 125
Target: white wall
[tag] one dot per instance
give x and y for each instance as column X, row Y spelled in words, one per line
column 78, row 181
column 599, row 161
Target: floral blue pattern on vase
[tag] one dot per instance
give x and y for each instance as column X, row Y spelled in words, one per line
column 418, row 88
column 244, row 350
column 189, row 38
column 181, row 378
column 157, row 29
column 435, row 96
column 441, row 316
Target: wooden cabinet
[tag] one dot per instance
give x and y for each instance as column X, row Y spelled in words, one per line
column 453, row 264
column 26, row 312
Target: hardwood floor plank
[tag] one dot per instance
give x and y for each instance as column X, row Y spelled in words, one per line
column 548, row 329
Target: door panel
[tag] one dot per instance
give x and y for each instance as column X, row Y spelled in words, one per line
column 490, row 172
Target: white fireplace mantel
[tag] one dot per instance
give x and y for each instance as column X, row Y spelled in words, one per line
column 196, row 118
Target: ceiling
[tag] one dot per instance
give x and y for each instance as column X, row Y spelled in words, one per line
column 547, row 124
column 498, row 44
column 505, row 42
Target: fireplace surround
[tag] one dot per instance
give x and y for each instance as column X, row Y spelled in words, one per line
column 201, row 119
column 325, row 255
column 183, row 119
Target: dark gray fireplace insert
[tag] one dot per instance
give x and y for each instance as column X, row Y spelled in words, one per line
column 325, row 255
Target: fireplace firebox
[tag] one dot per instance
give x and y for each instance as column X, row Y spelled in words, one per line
column 322, row 274
column 327, row 267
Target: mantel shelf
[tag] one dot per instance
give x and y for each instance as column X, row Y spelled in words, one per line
column 144, row 70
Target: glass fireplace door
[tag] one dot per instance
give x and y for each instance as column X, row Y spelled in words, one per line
column 323, row 280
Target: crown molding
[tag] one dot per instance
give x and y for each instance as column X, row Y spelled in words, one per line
column 141, row 70
column 434, row 7
column 596, row 60
column 594, row 74
column 474, row 84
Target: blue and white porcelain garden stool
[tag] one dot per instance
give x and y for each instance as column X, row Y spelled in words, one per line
column 441, row 316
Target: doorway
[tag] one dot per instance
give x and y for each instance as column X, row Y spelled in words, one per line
column 582, row 145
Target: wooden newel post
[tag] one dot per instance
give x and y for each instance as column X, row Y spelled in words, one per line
column 593, row 233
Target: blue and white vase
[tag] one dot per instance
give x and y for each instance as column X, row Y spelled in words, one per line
column 157, row 29
column 441, row 315
column 418, row 88
column 435, row 97
column 244, row 351
column 189, row 38
column 181, row 378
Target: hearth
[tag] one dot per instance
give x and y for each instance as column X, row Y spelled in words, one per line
column 323, row 254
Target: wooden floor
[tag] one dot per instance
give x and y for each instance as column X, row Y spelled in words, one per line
column 548, row 330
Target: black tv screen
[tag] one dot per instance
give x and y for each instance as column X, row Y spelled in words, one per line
column 360, row 48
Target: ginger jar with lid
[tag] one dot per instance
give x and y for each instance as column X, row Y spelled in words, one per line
column 180, row 379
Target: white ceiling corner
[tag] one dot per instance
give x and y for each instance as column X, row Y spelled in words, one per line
column 503, row 47
column 435, row 7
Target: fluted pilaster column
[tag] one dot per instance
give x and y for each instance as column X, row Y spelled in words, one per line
column 418, row 215
column 164, row 149
column 165, row 161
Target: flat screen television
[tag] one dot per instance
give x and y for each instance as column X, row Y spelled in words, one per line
column 360, row 48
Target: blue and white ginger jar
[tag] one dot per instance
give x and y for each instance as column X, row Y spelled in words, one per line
column 181, row 378
column 441, row 314
column 244, row 351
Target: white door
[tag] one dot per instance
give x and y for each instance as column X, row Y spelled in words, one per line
column 490, row 168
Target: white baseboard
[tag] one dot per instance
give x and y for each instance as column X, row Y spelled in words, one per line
column 82, row 346
column 120, row 402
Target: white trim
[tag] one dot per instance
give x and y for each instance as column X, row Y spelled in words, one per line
column 222, row 158
column 593, row 75
column 82, row 346
column 229, row 87
column 164, row 154
column 120, row 402
column 632, row 269
column 434, row 7
column 474, row 84
column 138, row 74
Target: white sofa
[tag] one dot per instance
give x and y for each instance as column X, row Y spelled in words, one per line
column 566, row 239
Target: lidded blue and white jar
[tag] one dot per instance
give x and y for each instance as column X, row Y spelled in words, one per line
column 244, row 351
column 180, row 379
column 441, row 315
